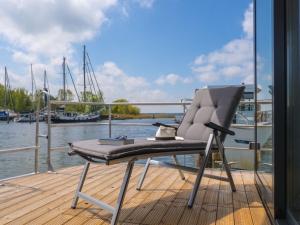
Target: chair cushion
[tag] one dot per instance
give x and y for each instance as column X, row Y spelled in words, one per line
column 217, row 105
column 92, row 148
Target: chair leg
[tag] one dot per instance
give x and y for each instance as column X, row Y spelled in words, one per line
column 80, row 184
column 225, row 163
column 143, row 175
column 179, row 170
column 122, row 193
column 201, row 171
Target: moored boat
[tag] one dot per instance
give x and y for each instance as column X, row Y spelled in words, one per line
column 73, row 117
column 7, row 115
column 28, row 117
column 4, row 115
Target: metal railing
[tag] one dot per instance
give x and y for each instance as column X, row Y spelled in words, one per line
column 35, row 147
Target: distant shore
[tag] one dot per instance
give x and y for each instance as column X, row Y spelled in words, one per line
column 139, row 116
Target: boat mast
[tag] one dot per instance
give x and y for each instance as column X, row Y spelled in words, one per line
column 31, row 82
column 45, row 89
column 84, row 81
column 89, row 64
column 5, row 88
column 45, row 75
column 64, row 78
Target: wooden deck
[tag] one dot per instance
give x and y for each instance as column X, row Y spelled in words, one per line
column 46, row 199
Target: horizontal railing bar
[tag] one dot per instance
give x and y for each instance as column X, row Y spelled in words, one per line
column 237, row 148
column 19, row 176
column 250, row 126
column 95, row 124
column 120, row 103
column 59, row 148
column 140, row 124
column 11, row 150
column 53, row 102
column 43, row 136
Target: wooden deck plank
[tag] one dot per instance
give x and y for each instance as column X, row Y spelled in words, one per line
column 173, row 202
column 52, row 209
column 150, row 184
column 191, row 216
column 92, row 186
column 208, row 213
column 31, row 184
column 48, row 195
column 134, row 198
column 163, row 199
column 258, row 213
column 28, row 191
column 28, row 182
column 259, row 216
column 105, row 192
column 225, row 204
column 242, row 214
column 138, row 215
column 161, row 206
column 108, row 196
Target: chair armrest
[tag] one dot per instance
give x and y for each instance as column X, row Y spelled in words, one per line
column 219, row 128
column 157, row 124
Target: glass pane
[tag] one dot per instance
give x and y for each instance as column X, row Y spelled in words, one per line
column 264, row 77
column 293, row 109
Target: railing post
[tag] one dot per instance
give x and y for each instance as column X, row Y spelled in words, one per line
column 50, row 168
column 37, row 131
column 184, row 110
column 109, row 120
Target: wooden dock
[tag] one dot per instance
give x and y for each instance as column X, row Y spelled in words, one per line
column 46, row 198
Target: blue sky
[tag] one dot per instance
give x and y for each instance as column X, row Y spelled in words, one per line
column 143, row 50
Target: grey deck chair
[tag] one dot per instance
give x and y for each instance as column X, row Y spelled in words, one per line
column 203, row 128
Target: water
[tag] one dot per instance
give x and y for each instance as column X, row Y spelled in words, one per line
column 16, row 135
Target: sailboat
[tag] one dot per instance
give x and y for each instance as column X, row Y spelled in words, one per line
column 30, row 116
column 61, row 116
column 5, row 113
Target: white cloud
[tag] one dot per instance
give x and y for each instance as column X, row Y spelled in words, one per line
column 172, row 79
column 248, row 22
column 22, row 79
column 232, row 62
column 20, row 56
column 41, row 32
column 48, row 28
column 115, row 84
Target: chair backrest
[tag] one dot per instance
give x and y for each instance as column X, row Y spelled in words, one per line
column 217, row 105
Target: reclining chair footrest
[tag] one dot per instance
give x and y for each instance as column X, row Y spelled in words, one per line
column 96, row 202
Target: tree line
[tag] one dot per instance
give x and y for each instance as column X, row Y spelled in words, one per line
column 20, row 100
column 17, row 99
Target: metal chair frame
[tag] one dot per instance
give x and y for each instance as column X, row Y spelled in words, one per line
column 200, row 173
